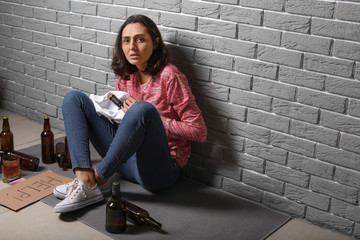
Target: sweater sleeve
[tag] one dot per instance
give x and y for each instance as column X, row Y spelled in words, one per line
column 190, row 125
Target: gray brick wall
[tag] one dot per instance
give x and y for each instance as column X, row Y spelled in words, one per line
column 278, row 82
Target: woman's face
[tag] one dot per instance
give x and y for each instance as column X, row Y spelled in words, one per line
column 137, row 44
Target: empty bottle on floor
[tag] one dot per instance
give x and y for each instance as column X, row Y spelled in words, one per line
column 140, row 216
column 27, row 162
column 7, row 137
column 115, row 213
column 47, row 142
column 60, row 154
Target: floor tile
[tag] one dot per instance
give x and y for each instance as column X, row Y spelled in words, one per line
column 40, row 222
column 297, row 229
column 3, row 209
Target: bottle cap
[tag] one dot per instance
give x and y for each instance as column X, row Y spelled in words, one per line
column 46, row 117
column 5, row 117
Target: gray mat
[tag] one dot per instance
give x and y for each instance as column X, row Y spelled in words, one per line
column 188, row 210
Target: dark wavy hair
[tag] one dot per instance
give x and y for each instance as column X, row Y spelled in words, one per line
column 156, row 62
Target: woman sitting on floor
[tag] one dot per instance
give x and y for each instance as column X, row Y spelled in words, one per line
column 152, row 143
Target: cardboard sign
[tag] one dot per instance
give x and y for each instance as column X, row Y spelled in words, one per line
column 31, row 190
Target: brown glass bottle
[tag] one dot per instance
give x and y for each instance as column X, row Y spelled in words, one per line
column 115, row 214
column 140, row 216
column 27, row 162
column 47, row 142
column 7, row 137
column 60, row 155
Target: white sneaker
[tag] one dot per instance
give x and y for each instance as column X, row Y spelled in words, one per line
column 78, row 196
column 61, row 190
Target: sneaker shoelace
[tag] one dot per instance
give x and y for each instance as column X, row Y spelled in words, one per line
column 73, row 188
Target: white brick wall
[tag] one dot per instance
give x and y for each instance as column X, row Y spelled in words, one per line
column 278, row 82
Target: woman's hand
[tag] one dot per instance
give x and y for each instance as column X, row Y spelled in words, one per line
column 128, row 103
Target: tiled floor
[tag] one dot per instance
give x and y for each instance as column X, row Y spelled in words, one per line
column 38, row 221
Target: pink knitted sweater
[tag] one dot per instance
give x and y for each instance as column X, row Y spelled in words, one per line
column 171, row 95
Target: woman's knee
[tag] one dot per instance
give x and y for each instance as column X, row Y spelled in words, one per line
column 72, row 97
column 145, row 108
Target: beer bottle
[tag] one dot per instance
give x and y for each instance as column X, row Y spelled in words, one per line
column 27, row 162
column 140, row 216
column 115, row 213
column 60, row 155
column 47, row 142
column 7, row 138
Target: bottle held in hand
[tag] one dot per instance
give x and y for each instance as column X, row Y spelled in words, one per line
column 115, row 100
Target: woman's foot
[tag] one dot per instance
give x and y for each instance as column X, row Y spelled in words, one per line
column 100, row 181
column 61, row 190
column 78, row 196
column 86, row 176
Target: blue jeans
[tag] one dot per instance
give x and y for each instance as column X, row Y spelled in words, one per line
column 138, row 149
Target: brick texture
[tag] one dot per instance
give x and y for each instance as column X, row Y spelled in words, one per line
column 278, row 83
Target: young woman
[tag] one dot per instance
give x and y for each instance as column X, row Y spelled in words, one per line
column 152, row 143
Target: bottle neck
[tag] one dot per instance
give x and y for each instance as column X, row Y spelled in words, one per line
column 152, row 223
column 6, row 126
column 47, row 126
column 116, row 195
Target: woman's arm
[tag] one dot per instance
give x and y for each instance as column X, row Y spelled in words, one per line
column 191, row 125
